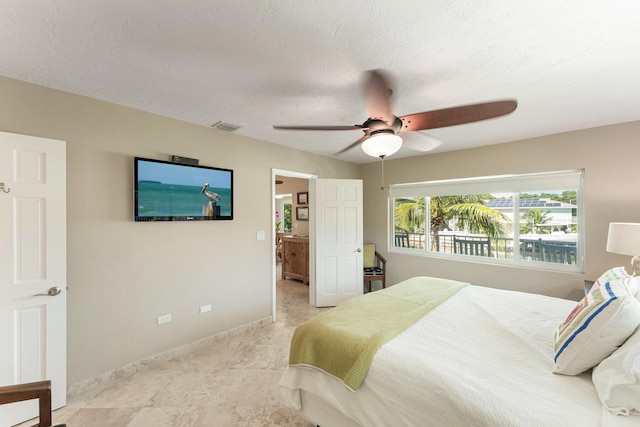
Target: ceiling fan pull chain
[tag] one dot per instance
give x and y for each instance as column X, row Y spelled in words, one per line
column 382, row 175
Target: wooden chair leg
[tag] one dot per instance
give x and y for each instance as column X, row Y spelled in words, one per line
column 45, row 407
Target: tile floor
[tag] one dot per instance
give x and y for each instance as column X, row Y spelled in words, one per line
column 229, row 381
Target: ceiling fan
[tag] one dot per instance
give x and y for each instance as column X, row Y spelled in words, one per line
column 383, row 131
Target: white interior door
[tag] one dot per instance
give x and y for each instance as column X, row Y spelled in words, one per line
column 32, row 263
column 335, row 241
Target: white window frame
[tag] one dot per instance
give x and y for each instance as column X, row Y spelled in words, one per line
column 513, row 184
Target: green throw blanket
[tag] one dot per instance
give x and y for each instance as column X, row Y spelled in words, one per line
column 343, row 340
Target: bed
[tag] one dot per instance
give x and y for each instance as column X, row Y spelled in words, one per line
column 478, row 357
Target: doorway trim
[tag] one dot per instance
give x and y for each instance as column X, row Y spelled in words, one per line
column 290, row 174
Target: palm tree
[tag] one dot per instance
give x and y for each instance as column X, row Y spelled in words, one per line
column 468, row 211
column 409, row 214
column 533, row 218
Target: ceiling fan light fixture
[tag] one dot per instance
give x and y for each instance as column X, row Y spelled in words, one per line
column 382, row 144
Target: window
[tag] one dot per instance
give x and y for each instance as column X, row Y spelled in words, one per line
column 283, row 213
column 287, row 216
column 533, row 220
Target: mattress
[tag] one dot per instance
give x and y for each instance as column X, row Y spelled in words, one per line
column 483, row 358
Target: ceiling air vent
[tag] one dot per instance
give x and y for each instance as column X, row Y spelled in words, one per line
column 226, row 126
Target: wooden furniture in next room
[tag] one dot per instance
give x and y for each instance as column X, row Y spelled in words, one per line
column 295, row 258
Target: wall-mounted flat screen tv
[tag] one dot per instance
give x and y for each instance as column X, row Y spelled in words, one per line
column 168, row 191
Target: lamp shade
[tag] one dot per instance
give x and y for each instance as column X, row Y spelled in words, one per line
column 382, row 144
column 624, row 238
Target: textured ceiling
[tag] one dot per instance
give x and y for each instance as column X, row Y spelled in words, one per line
column 571, row 64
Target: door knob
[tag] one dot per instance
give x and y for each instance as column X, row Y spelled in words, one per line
column 52, row 292
column 358, row 250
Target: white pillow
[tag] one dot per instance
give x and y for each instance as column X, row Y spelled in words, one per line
column 599, row 324
column 617, row 378
column 634, row 285
column 633, row 282
column 619, row 273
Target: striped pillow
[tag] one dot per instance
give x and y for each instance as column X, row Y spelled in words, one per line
column 599, row 324
column 617, row 273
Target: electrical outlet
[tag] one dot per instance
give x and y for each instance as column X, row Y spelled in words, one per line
column 260, row 235
column 205, row 308
column 164, row 319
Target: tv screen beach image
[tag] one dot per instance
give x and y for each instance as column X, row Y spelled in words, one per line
column 169, row 191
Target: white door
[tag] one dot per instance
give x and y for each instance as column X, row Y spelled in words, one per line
column 33, row 261
column 336, row 240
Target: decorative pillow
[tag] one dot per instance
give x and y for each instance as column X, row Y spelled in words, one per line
column 612, row 274
column 619, row 273
column 369, row 256
column 617, row 378
column 599, row 324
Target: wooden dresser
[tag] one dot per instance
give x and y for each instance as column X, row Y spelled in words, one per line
column 295, row 258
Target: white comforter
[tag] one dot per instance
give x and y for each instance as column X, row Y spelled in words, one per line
column 481, row 358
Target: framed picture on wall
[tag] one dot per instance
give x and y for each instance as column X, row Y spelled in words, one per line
column 303, row 198
column 302, row 213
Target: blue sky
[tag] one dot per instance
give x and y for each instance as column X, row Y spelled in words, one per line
column 168, row 173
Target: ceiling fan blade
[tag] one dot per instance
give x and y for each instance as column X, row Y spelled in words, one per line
column 457, row 115
column 419, row 141
column 355, row 144
column 378, row 97
column 354, row 127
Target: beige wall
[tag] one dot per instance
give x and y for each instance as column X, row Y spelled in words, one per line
column 123, row 274
column 609, row 156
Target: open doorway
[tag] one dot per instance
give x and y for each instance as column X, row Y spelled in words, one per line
column 289, row 198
